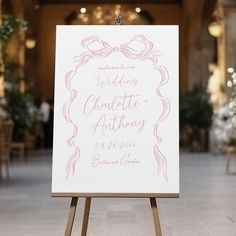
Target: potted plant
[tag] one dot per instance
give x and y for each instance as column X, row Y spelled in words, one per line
column 196, row 118
column 21, row 109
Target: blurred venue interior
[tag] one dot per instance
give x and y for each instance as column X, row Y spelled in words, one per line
column 207, row 107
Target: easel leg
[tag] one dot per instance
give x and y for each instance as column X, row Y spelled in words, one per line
column 71, row 216
column 86, row 216
column 0, row 168
column 155, row 217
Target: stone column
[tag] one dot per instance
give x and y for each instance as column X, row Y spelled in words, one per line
column 18, row 9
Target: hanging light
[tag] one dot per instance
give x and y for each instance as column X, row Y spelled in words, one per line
column 30, row 43
column 83, row 10
column 138, row 9
column 215, row 28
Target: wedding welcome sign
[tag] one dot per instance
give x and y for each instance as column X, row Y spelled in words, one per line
column 116, row 125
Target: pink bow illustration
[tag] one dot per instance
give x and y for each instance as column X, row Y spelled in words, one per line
column 137, row 48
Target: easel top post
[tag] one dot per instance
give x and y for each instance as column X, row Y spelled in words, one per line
column 118, row 20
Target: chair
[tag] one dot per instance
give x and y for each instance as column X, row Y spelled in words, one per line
column 6, row 132
column 19, row 148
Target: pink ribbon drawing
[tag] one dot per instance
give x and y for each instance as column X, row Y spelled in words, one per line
column 138, row 48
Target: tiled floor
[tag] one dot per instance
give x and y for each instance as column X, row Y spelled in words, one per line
column 206, row 207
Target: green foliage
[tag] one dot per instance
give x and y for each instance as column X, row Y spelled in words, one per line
column 8, row 27
column 195, row 109
column 21, row 109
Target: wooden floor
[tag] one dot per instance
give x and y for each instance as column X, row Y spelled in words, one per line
column 207, row 204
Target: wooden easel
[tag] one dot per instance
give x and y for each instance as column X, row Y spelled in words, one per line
column 72, row 211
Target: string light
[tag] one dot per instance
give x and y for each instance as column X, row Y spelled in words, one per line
column 101, row 21
column 132, row 16
column 83, row 10
column 230, row 70
column 105, row 15
column 138, row 9
column 85, row 19
column 117, row 10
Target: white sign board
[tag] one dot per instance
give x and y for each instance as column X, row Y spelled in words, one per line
column 116, row 125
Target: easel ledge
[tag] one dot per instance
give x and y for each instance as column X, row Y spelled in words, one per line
column 117, row 195
column 88, row 198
